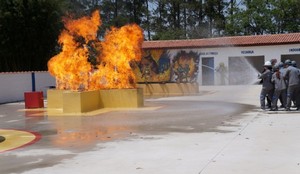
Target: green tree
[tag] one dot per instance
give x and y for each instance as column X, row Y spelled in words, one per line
column 189, row 19
column 286, row 16
column 28, row 33
column 257, row 17
column 175, row 19
column 121, row 12
column 197, row 25
column 214, row 11
column 234, row 20
column 168, row 20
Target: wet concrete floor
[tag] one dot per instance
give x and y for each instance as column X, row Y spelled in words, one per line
column 76, row 135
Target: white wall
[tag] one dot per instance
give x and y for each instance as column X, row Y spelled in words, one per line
column 221, row 54
column 269, row 52
column 13, row 85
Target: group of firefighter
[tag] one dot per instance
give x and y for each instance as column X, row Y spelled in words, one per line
column 280, row 81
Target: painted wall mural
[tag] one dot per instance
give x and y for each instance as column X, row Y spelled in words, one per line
column 185, row 67
column 154, row 66
column 159, row 66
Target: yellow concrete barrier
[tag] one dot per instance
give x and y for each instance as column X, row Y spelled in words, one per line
column 169, row 89
column 122, row 98
column 86, row 101
column 79, row 102
column 55, row 98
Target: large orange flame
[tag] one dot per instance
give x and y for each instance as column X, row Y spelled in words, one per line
column 119, row 48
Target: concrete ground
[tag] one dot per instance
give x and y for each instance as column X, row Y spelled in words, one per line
column 221, row 130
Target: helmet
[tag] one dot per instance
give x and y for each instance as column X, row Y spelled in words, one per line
column 267, row 63
column 287, row 62
column 280, row 64
column 276, row 67
column 273, row 61
column 294, row 63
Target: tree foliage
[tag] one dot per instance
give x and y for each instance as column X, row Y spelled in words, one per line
column 29, row 28
column 28, row 33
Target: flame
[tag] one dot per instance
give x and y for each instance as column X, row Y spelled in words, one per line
column 120, row 47
column 70, row 66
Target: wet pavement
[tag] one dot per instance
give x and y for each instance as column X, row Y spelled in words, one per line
column 221, row 130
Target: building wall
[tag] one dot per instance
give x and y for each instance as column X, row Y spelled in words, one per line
column 221, row 56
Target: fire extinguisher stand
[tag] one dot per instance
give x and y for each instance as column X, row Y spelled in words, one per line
column 33, row 99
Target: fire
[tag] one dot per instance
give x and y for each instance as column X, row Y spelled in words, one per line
column 121, row 46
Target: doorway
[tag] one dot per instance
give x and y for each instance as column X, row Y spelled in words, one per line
column 295, row 57
column 244, row 70
column 208, row 71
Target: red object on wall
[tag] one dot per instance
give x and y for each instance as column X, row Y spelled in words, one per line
column 34, row 99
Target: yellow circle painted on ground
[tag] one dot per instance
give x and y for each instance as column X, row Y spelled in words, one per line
column 16, row 138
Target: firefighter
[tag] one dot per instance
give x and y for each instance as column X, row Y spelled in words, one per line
column 280, row 88
column 292, row 76
column 267, row 85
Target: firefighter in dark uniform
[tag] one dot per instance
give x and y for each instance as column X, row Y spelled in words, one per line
column 292, row 76
column 267, row 85
column 280, row 88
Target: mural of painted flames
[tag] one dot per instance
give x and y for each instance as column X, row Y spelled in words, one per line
column 158, row 65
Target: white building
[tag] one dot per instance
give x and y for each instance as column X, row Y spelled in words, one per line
column 242, row 56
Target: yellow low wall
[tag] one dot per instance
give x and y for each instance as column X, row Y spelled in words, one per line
column 55, row 98
column 80, row 102
column 122, row 98
column 169, row 89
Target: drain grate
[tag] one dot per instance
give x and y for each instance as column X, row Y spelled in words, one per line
column 2, row 139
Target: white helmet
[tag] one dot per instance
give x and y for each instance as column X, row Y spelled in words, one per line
column 267, row 63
